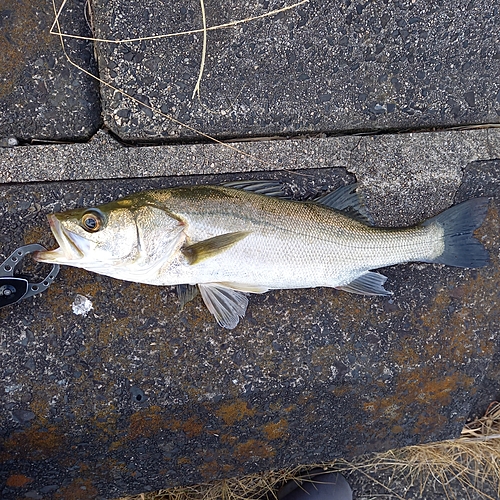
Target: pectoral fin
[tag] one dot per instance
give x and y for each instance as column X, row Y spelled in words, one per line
column 227, row 305
column 208, row 248
column 367, row 284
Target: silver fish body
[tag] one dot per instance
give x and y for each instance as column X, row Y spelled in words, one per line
column 230, row 242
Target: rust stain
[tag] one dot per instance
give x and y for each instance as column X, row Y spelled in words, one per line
column 18, row 481
column 426, row 424
column 146, row 423
column 34, row 235
column 79, row 489
column 276, row 430
column 253, row 449
column 192, row 427
column 234, row 412
column 36, row 443
column 213, row 468
column 422, row 386
column 228, row 439
column 439, row 390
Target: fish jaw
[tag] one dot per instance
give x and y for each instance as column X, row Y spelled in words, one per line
column 72, row 248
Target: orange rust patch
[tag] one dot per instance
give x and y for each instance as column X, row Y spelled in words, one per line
column 276, row 430
column 341, row 390
column 228, row 439
column 210, row 470
column 421, row 384
column 183, row 460
column 428, row 423
column 34, row 235
column 146, row 423
column 79, row 489
column 232, row 413
column 439, row 390
column 192, row 426
column 35, row 443
column 253, row 449
column 18, row 481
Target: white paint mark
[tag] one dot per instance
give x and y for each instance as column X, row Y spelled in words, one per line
column 81, row 305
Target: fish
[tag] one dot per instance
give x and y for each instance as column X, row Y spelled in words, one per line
column 228, row 241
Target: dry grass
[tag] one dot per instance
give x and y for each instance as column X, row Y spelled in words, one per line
column 473, row 461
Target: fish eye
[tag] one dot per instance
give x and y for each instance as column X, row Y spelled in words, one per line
column 91, row 222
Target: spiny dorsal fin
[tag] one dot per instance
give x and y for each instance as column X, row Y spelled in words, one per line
column 227, row 305
column 267, row 187
column 368, row 283
column 347, row 200
column 212, row 246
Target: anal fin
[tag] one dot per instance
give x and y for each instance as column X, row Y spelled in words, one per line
column 226, row 304
column 369, row 283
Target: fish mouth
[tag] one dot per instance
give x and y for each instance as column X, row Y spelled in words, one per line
column 70, row 245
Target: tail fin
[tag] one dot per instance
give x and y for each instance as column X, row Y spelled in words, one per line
column 462, row 249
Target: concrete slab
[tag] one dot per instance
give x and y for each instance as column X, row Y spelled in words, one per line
column 324, row 67
column 42, row 96
column 137, row 395
column 387, row 165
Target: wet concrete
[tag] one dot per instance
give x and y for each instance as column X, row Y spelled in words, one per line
column 137, row 395
column 322, row 67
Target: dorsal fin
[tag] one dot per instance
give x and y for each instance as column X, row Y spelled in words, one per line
column 347, row 200
column 266, row 187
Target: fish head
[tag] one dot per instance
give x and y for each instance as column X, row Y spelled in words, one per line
column 114, row 239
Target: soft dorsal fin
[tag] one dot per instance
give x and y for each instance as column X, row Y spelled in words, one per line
column 347, row 200
column 227, row 305
column 368, row 283
column 212, row 246
column 266, row 187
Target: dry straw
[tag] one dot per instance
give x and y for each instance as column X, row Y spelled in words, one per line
column 471, row 461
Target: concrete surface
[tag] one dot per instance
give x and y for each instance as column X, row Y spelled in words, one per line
column 325, row 67
column 138, row 395
column 42, row 96
column 376, row 160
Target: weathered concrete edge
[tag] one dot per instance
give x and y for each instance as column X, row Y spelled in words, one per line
column 105, row 158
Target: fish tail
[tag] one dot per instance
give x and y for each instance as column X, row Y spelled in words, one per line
column 461, row 248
